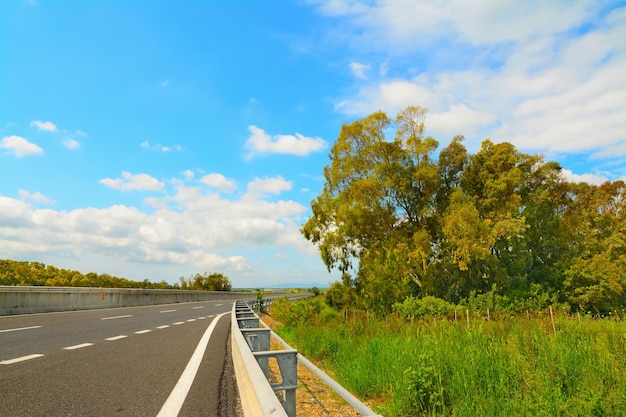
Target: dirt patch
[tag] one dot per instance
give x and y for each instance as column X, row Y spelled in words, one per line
column 314, row 398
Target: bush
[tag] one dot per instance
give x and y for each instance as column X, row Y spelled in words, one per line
column 426, row 306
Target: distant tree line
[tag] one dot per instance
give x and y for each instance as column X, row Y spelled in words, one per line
column 206, row 282
column 404, row 221
column 38, row 274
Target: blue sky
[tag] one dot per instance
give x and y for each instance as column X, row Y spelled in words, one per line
column 157, row 139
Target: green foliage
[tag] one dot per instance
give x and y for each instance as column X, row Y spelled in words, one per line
column 515, row 366
column 208, row 282
column 406, row 224
column 36, row 274
column 426, row 306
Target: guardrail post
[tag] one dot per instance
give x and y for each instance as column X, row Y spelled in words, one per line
column 288, row 365
column 257, row 339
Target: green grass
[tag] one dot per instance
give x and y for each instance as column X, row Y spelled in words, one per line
column 512, row 367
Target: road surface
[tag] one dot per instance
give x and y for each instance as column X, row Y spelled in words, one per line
column 164, row 360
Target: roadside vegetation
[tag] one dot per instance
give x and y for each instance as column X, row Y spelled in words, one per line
column 38, row 274
column 401, row 218
column 522, row 364
column 483, row 284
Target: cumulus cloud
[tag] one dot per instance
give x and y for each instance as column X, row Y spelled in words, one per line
column 20, row 146
column 261, row 187
column 219, row 182
column 204, row 230
column 36, row 197
column 545, row 78
column 130, row 182
column 595, row 179
column 44, row 126
column 260, row 142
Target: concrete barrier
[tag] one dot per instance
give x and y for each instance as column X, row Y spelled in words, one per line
column 26, row 300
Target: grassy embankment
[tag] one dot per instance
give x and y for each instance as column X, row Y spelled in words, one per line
column 511, row 366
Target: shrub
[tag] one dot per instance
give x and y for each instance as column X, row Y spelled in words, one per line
column 426, row 306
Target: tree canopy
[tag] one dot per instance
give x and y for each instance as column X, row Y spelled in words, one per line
column 401, row 221
column 38, row 274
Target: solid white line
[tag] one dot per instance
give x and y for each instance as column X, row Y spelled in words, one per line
column 143, row 331
column 165, row 326
column 195, row 308
column 116, row 337
column 175, row 401
column 20, row 328
column 23, row 358
column 167, row 311
column 179, row 322
column 116, row 317
column 78, row 346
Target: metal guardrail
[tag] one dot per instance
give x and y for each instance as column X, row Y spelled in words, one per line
column 252, row 342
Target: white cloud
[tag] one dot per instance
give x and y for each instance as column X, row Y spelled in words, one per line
column 36, row 197
column 595, row 179
column 359, row 69
column 219, row 182
column 188, row 174
column 204, row 231
column 261, row 187
column 138, row 182
column 161, row 148
column 546, row 77
column 71, row 143
column 20, row 146
column 45, row 126
column 260, row 142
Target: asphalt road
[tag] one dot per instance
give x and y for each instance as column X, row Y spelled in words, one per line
column 164, row 360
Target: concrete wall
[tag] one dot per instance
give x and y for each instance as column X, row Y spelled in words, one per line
column 25, row 300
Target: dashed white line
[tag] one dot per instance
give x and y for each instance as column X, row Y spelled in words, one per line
column 195, row 308
column 165, row 326
column 167, row 311
column 217, row 305
column 20, row 328
column 21, row 359
column 116, row 317
column 179, row 322
column 191, row 320
column 78, row 346
column 143, row 331
column 117, row 337
column 201, row 318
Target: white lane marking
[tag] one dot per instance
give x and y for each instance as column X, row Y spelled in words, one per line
column 179, row 322
column 212, row 315
column 143, row 331
column 195, row 308
column 175, row 401
column 20, row 328
column 20, row 359
column 217, row 305
column 191, row 320
column 116, row 317
column 116, row 337
column 165, row 326
column 78, row 346
column 201, row 318
column 167, row 311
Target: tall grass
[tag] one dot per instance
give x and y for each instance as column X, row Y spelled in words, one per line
column 435, row 367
